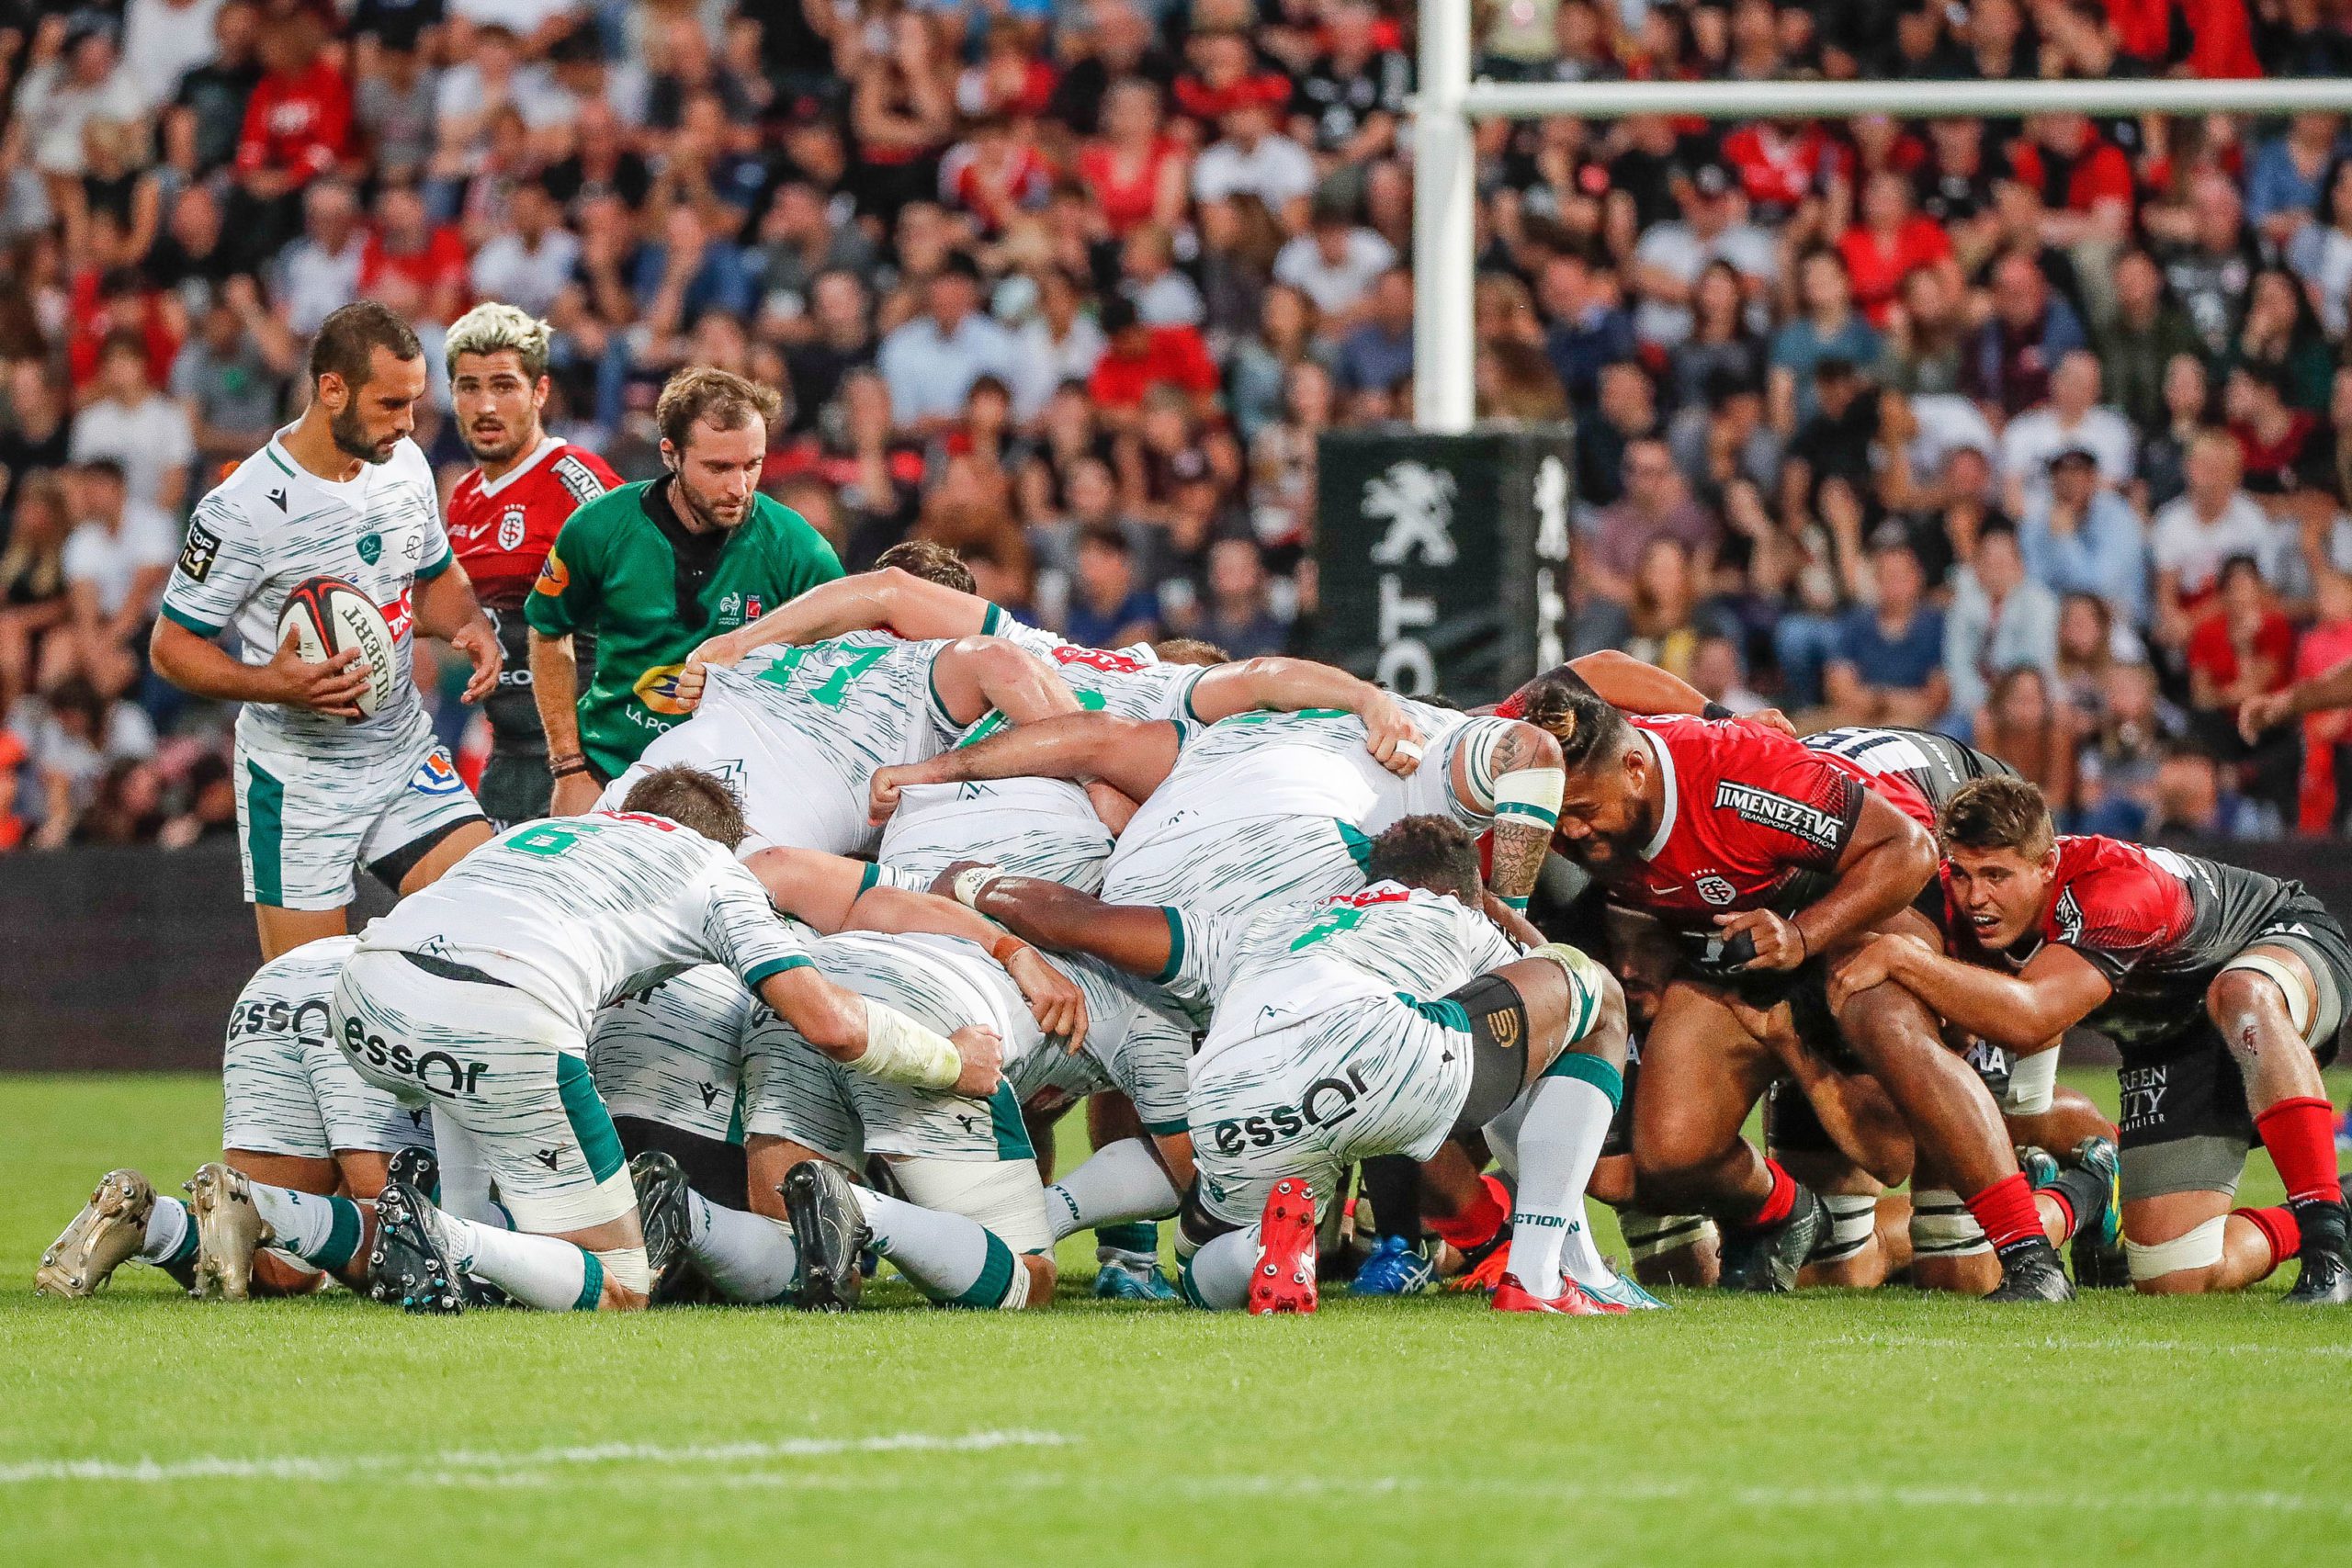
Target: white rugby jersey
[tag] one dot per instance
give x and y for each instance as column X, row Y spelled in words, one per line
column 288, row 995
column 576, row 911
column 1270, row 969
column 1136, row 1044
column 271, row 525
column 679, row 1038
column 1130, row 681
column 1043, row 828
column 941, row 982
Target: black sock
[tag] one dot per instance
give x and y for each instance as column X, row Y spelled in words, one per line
column 712, row 1167
column 1393, row 1182
column 2085, row 1192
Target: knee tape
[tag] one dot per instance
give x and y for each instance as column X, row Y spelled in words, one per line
column 2033, row 1083
column 1652, row 1236
column 627, row 1266
column 2298, row 993
column 2199, row 1248
column 1941, row 1226
column 1853, row 1221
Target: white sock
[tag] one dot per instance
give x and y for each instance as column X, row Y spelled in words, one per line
column 954, row 1261
column 537, row 1270
column 465, row 1177
column 1559, row 1140
column 320, row 1231
column 1122, row 1182
column 171, row 1234
column 749, row 1256
column 1218, row 1274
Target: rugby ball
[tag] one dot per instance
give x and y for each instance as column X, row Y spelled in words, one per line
column 326, row 616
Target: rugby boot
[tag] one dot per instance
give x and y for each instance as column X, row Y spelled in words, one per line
column 1396, row 1268
column 2040, row 1167
column 2096, row 1251
column 663, row 1214
column 2324, row 1281
column 1765, row 1258
column 1572, row 1301
column 229, row 1231
column 109, row 1229
column 2030, row 1272
column 830, row 1230
column 1628, row 1295
column 419, row 1168
column 1126, row 1276
column 408, row 1267
column 1282, row 1279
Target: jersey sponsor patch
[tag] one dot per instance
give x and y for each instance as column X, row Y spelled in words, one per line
column 437, row 774
column 579, row 479
column 1098, row 659
column 1765, row 809
column 197, row 556
column 657, row 687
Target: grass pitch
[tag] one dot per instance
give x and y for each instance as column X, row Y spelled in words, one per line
column 1887, row 1428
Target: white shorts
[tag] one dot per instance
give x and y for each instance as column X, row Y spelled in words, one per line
column 1376, row 1075
column 1223, row 869
column 289, row 1091
column 674, row 1053
column 304, row 825
column 508, row 1069
column 1042, row 827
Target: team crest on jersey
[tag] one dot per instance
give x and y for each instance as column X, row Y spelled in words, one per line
column 1765, row 809
column 658, row 688
column 203, row 547
column 437, row 775
column 511, row 528
column 371, row 547
column 554, row 576
column 1715, row 889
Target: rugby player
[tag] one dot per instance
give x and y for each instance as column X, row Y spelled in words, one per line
column 305, row 1148
column 1717, row 828
column 2223, row 987
column 503, row 517
column 343, row 492
column 476, row 996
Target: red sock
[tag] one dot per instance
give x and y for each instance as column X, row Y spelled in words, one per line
column 2067, row 1219
column 2301, row 1135
column 2006, row 1211
column 2279, row 1228
column 1780, row 1201
column 1476, row 1225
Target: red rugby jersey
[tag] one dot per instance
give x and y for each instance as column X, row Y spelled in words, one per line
column 502, row 530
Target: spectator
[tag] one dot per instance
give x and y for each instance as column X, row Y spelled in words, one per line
column 1893, row 241
column 1668, row 260
column 116, row 559
column 1663, row 612
column 2287, row 460
column 1288, row 326
column 2023, row 727
column 72, row 737
column 1721, row 676
column 1137, row 358
column 1656, row 504
column 206, row 118
column 2285, row 186
column 2000, row 620
column 2321, row 251
column 2243, row 647
column 1889, row 663
column 297, row 127
column 1238, row 616
column 2075, row 419
column 1108, row 605
column 1348, row 103
column 1378, row 353
column 320, row 272
column 163, row 40
column 2082, row 537
column 841, row 338
column 2281, row 338
column 1335, row 263
column 2143, row 334
column 58, row 98
column 231, row 376
column 2188, row 411
column 1135, row 169
column 1252, row 158
column 406, row 242
column 1590, row 329
column 1828, row 329
column 2009, row 364
column 2211, row 269
column 2091, row 642
column 932, row 360
column 799, row 244
column 2193, row 536
column 35, row 435
column 33, row 593
column 143, row 434
column 1924, row 346
column 1163, row 297
column 1059, row 343
column 2195, row 800
column 393, row 111
column 528, row 261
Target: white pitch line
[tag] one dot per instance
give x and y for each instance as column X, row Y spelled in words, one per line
column 2074, row 1347
column 468, row 1468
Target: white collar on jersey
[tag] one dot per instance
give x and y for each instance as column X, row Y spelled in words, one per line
column 538, row 454
column 1665, row 760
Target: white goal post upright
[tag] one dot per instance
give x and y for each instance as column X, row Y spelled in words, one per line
column 1445, row 166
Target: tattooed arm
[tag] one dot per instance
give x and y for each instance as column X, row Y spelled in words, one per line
column 1524, row 765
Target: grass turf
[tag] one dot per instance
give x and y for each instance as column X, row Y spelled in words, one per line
column 1832, row 1429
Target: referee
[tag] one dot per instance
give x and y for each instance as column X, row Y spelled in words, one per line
column 652, row 569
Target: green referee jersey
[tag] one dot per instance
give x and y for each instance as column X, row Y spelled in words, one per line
column 614, row 572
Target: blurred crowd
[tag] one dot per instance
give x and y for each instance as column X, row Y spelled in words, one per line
column 2036, row 430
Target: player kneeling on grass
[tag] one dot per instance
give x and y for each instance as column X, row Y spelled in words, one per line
column 2223, row 987
column 305, row 1145
column 476, row 998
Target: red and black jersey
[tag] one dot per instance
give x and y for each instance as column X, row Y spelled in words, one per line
column 502, row 529
column 2158, row 924
column 1934, row 766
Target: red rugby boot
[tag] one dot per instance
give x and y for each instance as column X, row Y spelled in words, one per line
column 1572, row 1301
column 1284, row 1279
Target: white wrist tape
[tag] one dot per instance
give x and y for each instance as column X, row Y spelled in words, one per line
column 1530, row 795
column 973, row 881
column 2033, row 1081
column 899, row 1050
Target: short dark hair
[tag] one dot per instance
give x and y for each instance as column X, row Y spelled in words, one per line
column 1108, row 537
column 1190, row 650
column 1589, row 731
column 2001, row 811
column 1434, row 852
column 727, row 400
column 349, row 337
column 931, row 561
column 691, row 798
